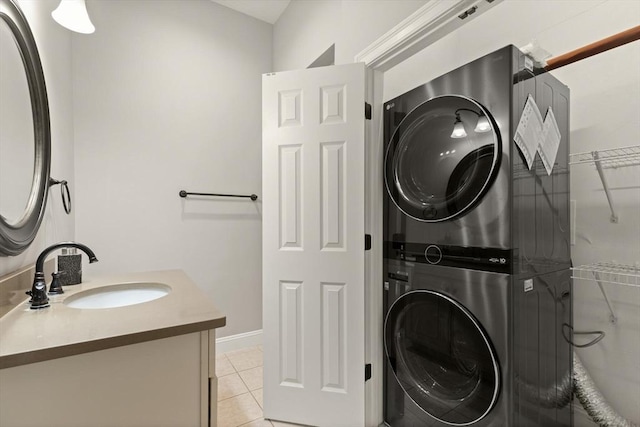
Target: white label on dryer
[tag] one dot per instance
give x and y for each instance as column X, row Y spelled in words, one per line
column 528, row 63
column 550, row 141
column 528, row 285
column 529, row 131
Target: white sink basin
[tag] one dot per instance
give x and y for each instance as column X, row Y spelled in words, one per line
column 119, row 295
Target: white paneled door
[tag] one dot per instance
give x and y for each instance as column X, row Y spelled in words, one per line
column 313, row 245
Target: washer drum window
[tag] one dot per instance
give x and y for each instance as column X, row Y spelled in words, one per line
column 442, row 158
column 441, row 357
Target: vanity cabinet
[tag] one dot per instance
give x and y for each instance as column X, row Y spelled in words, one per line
column 165, row 382
column 148, row 364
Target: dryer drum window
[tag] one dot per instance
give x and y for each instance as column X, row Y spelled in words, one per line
column 441, row 357
column 442, row 158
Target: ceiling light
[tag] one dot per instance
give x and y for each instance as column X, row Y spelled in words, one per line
column 458, row 128
column 483, row 125
column 72, row 14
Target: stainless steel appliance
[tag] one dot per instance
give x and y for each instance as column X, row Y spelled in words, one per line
column 476, row 253
column 468, row 347
column 449, row 194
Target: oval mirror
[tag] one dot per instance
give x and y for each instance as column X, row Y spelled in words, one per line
column 25, row 134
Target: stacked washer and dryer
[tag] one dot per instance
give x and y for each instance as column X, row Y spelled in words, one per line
column 478, row 305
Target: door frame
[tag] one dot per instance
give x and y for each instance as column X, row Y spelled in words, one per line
column 424, row 27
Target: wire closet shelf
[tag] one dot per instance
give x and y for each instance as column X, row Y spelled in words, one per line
column 608, row 272
column 609, row 159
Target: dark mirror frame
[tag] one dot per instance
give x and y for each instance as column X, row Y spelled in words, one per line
column 16, row 237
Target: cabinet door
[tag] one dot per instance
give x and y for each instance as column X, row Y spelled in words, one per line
column 155, row 383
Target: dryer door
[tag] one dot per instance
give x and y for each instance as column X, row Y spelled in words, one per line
column 442, row 158
column 441, row 357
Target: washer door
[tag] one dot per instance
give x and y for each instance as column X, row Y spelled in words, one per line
column 441, row 357
column 442, row 158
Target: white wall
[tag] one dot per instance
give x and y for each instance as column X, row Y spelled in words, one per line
column 364, row 21
column 167, row 97
column 54, row 47
column 309, row 27
column 303, row 32
column 605, row 106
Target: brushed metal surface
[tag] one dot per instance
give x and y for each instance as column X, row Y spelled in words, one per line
column 488, row 82
column 524, row 328
column 524, row 210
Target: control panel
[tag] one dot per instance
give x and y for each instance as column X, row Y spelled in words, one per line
column 487, row 259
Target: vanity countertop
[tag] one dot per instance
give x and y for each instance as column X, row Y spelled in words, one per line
column 29, row 336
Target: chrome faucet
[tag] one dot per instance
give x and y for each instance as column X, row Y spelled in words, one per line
column 39, row 298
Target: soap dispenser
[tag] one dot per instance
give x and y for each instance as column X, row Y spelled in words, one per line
column 70, row 267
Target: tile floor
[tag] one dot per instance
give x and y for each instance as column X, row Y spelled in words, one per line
column 239, row 375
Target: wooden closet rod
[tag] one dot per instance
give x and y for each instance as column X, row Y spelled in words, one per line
column 600, row 46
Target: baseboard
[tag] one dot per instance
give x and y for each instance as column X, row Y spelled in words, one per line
column 239, row 341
